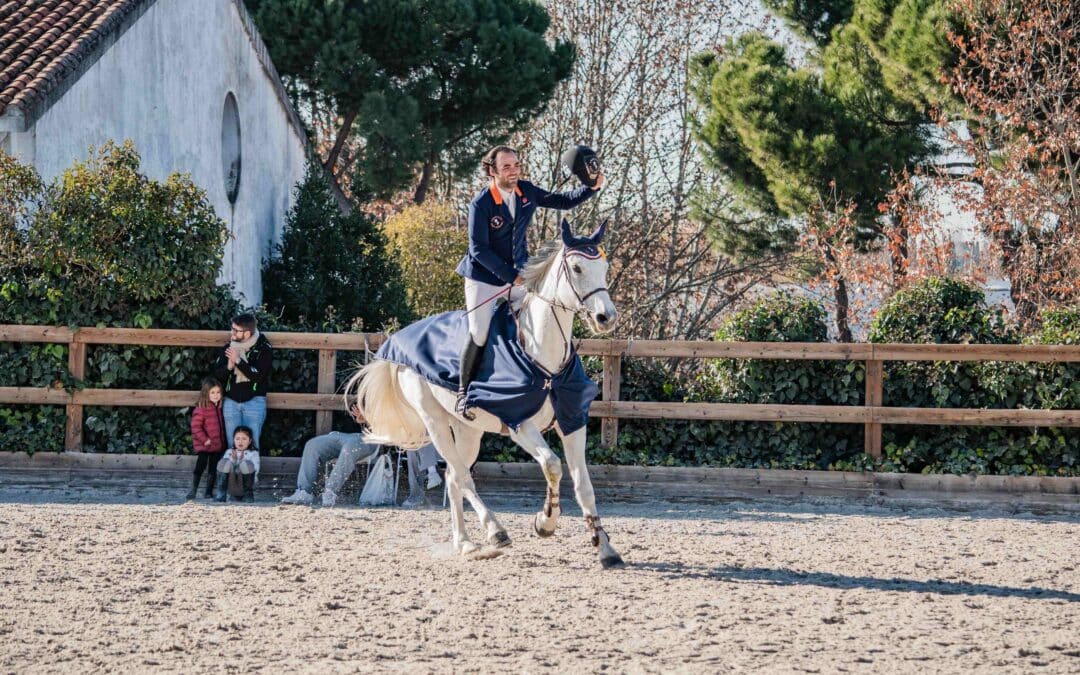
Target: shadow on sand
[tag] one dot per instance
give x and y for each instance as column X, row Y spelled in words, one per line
column 789, row 577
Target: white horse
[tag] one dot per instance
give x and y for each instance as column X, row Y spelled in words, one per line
column 404, row 409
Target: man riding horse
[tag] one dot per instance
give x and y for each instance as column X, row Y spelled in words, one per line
column 499, row 218
column 531, row 378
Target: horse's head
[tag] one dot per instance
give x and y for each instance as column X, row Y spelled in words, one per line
column 583, row 283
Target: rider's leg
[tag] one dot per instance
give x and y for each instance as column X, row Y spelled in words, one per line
column 479, row 316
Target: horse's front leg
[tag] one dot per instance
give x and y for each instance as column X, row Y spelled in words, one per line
column 532, row 441
column 574, row 446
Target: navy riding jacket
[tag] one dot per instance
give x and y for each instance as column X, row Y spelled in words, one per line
column 498, row 248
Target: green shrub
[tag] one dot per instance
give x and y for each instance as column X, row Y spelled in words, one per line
column 332, row 271
column 105, row 246
column 429, row 243
column 944, row 311
column 777, row 318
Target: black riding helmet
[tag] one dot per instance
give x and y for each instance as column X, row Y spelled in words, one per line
column 582, row 162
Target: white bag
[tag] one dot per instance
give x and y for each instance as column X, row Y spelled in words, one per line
column 379, row 487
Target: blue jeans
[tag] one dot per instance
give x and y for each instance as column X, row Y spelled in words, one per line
column 249, row 413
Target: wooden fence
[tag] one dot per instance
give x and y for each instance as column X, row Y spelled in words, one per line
column 872, row 414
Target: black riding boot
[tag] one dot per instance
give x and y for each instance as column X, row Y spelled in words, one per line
column 249, row 486
column 220, row 494
column 194, row 486
column 470, row 359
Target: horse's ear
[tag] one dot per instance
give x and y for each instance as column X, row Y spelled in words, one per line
column 595, row 237
column 567, row 235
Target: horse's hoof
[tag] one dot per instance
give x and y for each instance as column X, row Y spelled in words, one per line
column 468, row 547
column 613, row 561
column 500, row 539
column 539, row 530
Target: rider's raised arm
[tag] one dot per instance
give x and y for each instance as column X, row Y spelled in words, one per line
column 480, row 244
column 564, row 200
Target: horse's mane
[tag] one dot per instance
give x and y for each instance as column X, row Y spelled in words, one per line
column 537, row 267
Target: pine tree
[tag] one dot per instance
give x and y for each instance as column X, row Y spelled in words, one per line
column 332, row 270
column 418, row 83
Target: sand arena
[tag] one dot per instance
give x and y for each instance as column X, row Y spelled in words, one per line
column 136, row 584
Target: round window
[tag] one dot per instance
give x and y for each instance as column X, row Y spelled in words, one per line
column 230, row 147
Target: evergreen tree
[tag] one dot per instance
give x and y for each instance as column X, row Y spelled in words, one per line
column 332, row 270
column 417, row 82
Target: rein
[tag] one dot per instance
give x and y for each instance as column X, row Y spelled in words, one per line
column 552, row 303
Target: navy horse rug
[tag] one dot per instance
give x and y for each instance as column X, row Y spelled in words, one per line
column 508, row 384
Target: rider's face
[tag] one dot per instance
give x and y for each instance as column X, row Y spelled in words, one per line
column 507, row 170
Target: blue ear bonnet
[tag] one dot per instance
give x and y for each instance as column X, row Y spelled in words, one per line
column 588, row 246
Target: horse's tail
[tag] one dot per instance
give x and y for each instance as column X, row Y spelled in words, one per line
column 390, row 418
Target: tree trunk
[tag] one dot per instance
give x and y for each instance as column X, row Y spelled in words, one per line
column 339, row 142
column 425, row 182
column 898, row 256
column 840, row 295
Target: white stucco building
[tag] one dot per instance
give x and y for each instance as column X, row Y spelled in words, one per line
column 189, row 81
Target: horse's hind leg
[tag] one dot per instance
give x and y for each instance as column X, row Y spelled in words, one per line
column 532, row 441
column 468, row 449
column 574, row 446
column 437, row 421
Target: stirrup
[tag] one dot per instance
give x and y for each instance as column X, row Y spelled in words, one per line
column 462, row 406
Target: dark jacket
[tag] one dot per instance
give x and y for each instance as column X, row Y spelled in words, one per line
column 208, row 423
column 498, row 248
column 256, row 368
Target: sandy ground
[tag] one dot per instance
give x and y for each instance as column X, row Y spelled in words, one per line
column 741, row 586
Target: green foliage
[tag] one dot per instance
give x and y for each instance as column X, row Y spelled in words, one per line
column 942, row 311
column 787, row 140
column 106, row 246
column 814, row 18
column 909, row 41
column 427, row 81
column 332, row 271
column 428, row 243
column 778, row 318
column 791, row 139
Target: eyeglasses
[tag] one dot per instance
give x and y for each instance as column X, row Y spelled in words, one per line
column 238, row 331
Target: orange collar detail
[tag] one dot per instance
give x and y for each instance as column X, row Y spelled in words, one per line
column 497, row 196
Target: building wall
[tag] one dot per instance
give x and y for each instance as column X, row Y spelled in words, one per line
column 163, row 85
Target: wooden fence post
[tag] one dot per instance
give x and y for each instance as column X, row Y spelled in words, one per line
column 324, row 419
column 73, row 434
column 872, row 430
column 609, row 426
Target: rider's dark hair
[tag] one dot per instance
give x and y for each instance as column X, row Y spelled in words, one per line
column 488, row 162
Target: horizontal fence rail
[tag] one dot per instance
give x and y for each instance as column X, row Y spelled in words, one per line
column 324, row 401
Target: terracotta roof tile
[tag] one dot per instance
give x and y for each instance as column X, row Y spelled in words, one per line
column 43, row 41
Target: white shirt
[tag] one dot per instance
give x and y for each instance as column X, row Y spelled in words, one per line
column 510, row 199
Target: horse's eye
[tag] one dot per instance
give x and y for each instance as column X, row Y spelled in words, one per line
column 577, row 269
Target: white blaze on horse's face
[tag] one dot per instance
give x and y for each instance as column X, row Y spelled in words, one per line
column 588, row 277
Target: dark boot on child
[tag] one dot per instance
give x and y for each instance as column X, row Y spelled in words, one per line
column 249, row 487
column 211, row 478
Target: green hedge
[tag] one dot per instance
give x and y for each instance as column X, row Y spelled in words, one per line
column 105, row 246
column 934, row 311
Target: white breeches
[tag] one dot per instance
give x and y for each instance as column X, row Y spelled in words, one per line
column 477, row 292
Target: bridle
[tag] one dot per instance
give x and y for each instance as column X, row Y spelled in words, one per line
column 552, row 303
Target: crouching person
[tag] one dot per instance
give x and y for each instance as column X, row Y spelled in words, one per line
column 242, row 457
column 347, row 448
